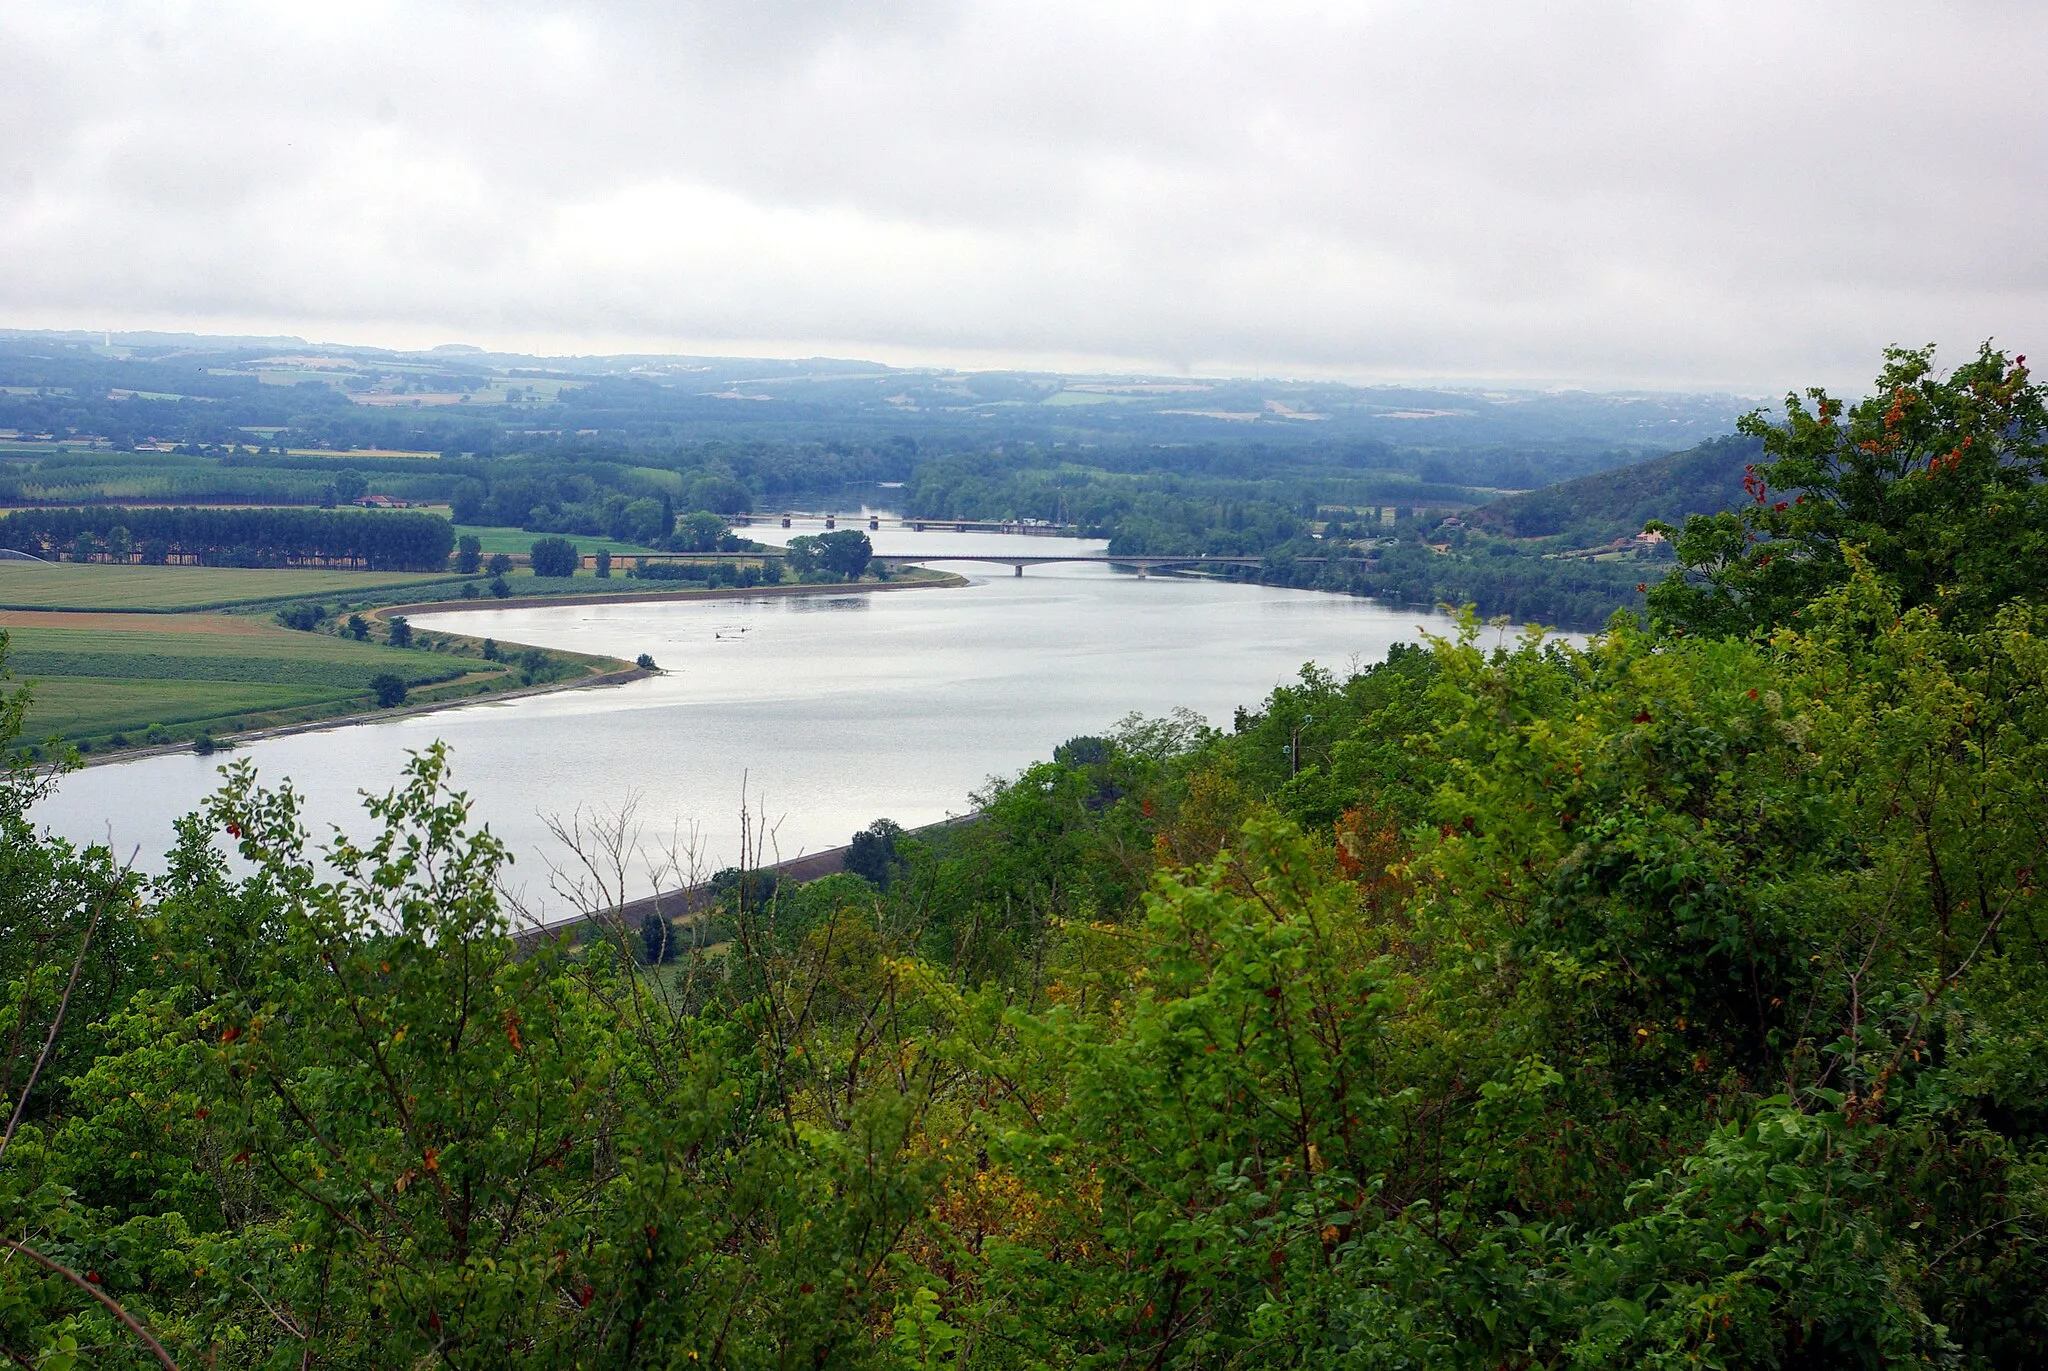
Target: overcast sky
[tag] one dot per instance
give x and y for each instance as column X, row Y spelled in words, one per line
column 1696, row 195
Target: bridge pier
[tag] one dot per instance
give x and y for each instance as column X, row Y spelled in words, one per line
column 1020, row 568
column 1143, row 570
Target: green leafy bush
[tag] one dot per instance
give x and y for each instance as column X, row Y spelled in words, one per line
column 555, row 557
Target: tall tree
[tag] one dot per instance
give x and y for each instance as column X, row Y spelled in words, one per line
column 846, row 552
column 1938, row 481
column 555, row 557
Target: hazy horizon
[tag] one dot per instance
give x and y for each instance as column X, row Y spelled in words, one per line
column 148, row 338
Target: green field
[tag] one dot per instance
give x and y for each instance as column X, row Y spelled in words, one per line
column 86, row 707
column 69, row 585
column 94, row 681
column 279, row 657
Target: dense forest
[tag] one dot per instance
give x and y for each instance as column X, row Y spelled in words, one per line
column 1671, row 1001
column 1706, row 479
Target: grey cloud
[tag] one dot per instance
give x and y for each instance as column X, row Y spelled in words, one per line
column 1679, row 194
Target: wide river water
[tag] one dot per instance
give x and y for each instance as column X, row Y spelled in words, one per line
column 827, row 712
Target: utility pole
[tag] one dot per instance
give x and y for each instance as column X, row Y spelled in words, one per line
column 1294, row 745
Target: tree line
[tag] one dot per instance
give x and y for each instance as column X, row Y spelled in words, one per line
column 374, row 540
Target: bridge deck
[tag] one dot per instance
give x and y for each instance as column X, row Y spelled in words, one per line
column 1041, row 559
column 1100, row 558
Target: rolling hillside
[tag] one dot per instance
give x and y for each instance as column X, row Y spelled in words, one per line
column 1608, row 504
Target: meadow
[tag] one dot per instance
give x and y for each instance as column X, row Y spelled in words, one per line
column 100, row 675
column 82, row 708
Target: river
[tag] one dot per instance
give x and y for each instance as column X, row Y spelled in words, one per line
column 826, row 712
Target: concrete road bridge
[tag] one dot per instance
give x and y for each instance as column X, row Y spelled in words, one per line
column 1142, row 564
column 1018, row 561
column 1029, row 528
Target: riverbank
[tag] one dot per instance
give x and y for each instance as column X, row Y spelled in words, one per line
column 228, row 742
column 926, row 580
column 476, row 687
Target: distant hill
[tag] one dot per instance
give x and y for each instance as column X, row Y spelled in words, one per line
column 1593, row 509
column 457, row 397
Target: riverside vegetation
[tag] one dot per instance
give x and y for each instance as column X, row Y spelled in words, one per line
column 1676, row 1000
column 641, row 455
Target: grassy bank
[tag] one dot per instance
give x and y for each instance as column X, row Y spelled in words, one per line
column 116, row 682
column 123, row 658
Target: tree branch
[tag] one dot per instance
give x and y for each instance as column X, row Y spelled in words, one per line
column 135, row 1325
